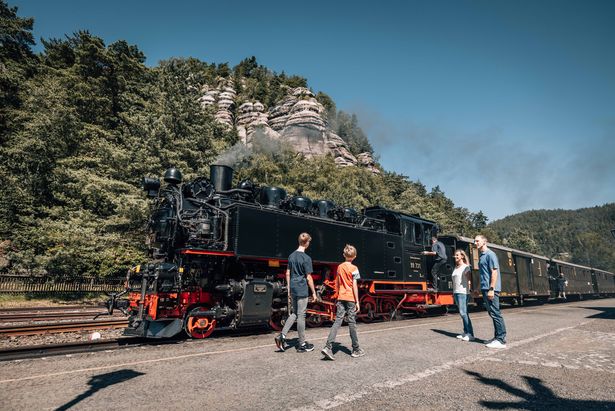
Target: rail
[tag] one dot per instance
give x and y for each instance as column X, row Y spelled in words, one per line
column 38, row 329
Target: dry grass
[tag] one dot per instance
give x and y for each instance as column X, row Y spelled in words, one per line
column 26, row 301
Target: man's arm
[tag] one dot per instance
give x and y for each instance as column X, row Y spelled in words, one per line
column 494, row 277
column 494, row 280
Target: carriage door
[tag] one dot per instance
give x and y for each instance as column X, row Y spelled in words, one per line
column 524, row 274
column 530, row 275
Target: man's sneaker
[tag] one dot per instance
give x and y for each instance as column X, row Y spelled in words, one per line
column 460, row 336
column 357, row 353
column 305, row 347
column 467, row 338
column 495, row 344
column 328, row 353
column 280, row 342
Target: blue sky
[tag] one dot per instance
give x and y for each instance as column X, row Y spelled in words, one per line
column 507, row 106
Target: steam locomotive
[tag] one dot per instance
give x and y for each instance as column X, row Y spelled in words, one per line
column 218, row 257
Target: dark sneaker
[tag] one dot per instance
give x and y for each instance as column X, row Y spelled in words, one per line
column 357, row 353
column 305, row 347
column 328, row 353
column 280, row 342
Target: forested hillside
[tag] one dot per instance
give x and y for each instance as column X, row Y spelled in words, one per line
column 581, row 236
column 82, row 122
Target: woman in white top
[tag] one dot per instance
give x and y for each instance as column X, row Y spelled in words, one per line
column 462, row 280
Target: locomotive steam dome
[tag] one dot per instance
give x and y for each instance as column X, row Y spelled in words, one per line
column 173, row 176
column 323, row 207
column 350, row 215
column 272, row 196
column 246, row 185
column 301, row 203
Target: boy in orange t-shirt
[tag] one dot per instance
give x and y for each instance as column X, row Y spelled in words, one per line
column 347, row 303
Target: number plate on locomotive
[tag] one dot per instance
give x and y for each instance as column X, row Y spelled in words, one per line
column 260, row 288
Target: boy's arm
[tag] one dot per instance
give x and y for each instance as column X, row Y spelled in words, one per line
column 288, row 283
column 310, row 282
column 355, row 291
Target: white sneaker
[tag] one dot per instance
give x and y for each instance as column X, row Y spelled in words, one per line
column 495, row 344
column 467, row 338
column 460, row 336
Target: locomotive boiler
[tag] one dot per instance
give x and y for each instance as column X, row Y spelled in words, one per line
column 218, row 255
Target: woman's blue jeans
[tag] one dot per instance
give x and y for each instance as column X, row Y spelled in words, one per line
column 461, row 300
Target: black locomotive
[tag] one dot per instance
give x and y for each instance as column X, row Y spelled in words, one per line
column 218, row 257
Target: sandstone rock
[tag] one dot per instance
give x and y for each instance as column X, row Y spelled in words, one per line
column 250, row 117
column 298, row 119
column 367, row 160
column 223, row 99
column 339, row 149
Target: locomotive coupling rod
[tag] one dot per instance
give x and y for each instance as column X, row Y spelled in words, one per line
column 198, row 314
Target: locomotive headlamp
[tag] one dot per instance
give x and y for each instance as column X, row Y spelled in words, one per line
column 151, row 185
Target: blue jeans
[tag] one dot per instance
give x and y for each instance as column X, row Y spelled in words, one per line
column 493, row 308
column 461, row 300
column 343, row 308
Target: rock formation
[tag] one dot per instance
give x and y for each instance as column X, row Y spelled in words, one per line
column 298, row 119
column 223, row 99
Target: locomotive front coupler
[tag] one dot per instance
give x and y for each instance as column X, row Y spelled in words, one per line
column 114, row 302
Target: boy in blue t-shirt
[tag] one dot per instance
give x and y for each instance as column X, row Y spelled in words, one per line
column 298, row 279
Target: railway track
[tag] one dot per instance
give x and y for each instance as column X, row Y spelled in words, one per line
column 47, row 308
column 47, row 350
column 38, row 329
column 22, row 317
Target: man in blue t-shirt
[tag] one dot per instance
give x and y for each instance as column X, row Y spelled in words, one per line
column 491, row 285
column 298, row 279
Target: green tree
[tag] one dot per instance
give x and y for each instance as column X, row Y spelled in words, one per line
column 17, row 63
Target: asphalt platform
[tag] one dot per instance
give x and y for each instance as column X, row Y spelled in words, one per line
column 559, row 356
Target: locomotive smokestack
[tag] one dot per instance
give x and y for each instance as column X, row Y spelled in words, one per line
column 221, row 177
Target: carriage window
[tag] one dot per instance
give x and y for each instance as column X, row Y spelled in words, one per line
column 426, row 234
column 409, row 232
column 419, row 235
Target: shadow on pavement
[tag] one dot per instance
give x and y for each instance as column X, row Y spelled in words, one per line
column 607, row 313
column 454, row 335
column 541, row 397
column 444, row 332
column 99, row 382
column 339, row 347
